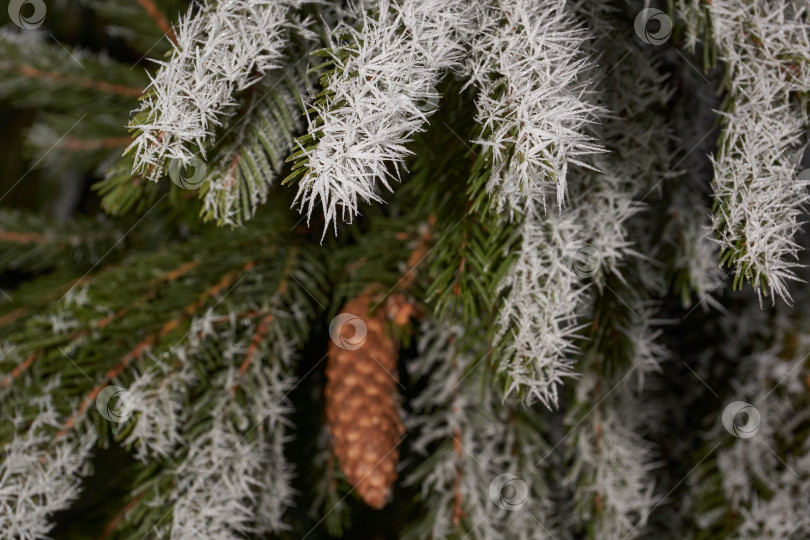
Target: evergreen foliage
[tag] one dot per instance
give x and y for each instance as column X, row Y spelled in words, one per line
column 556, row 190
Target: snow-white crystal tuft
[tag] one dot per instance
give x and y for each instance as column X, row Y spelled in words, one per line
column 220, row 50
column 376, row 102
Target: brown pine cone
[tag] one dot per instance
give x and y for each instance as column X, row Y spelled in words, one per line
column 362, row 403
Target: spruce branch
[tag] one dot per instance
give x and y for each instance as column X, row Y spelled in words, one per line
column 749, row 490
column 466, row 280
column 39, row 73
column 248, row 164
column 533, row 104
column 29, row 242
column 468, row 438
column 222, row 49
column 758, row 201
column 536, row 108
column 631, row 126
column 211, row 350
column 612, row 459
column 144, row 24
column 122, row 191
column 33, row 486
column 373, row 101
column 542, row 299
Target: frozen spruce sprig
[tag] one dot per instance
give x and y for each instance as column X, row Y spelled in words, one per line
column 544, row 297
column 234, row 465
column 469, row 438
column 758, row 198
column 239, row 181
column 613, row 460
column 527, row 64
column 217, row 481
column 381, row 91
column 615, row 467
column 221, row 48
column 232, row 478
column 39, row 477
column 160, row 395
column 633, row 125
column 758, row 478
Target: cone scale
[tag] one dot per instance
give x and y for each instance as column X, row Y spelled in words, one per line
column 362, row 403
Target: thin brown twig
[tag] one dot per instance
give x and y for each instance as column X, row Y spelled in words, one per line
column 16, row 237
column 73, row 143
column 119, row 517
column 156, row 15
column 148, row 342
column 19, row 369
column 255, row 342
column 81, row 82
